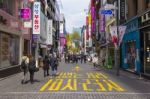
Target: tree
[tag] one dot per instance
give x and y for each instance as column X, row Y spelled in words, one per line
column 75, row 36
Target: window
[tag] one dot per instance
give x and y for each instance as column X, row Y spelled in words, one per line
column 9, row 52
column 8, row 6
column 147, row 4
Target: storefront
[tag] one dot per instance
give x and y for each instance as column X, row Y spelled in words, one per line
column 130, row 49
column 144, row 25
column 9, row 50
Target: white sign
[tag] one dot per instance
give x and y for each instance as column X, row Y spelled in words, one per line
column 49, row 32
column 36, row 17
column 28, row 24
column 61, row 28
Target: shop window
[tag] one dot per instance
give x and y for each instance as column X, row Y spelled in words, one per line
column 131, row 54
column 147, row 4
column 147, row 52
column 8, row 6
column 9, row 51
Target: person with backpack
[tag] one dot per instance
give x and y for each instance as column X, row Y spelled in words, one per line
column 24, row 67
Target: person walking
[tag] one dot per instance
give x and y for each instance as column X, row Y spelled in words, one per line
column 46, row 66
column 24, row 67
column 56, row 63
column 95, row 61
column 84, row 58
column 53, row 61
column 32, row 67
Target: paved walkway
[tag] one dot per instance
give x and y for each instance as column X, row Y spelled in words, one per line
column 77, row 81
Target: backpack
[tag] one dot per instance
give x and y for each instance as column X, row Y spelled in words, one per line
column 23, row 64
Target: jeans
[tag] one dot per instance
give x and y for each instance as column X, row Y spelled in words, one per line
column 31, row 75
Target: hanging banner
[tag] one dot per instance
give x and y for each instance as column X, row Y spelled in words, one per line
column 102, row 23
column 114, row 35
column 36, row 17
column 122, row 30
column 113, row 32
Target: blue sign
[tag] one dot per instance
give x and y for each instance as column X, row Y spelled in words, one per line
column 106, row 12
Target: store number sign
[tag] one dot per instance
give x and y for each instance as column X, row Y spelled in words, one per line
column 36, row 18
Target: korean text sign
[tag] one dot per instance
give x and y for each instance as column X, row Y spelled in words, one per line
column 36, row 18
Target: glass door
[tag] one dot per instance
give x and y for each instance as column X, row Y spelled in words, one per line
column 147, row 52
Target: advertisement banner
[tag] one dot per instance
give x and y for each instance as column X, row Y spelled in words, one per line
column 102, row 23
column 122, row 30
column 114, row 35
column 49, row 32
column 36, row 17
column 113, row 32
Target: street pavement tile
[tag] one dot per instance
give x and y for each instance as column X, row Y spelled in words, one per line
column 76, row 81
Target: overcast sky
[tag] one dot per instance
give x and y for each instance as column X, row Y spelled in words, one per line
column 74, row 12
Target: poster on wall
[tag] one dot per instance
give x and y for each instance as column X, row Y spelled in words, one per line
column 36, row 17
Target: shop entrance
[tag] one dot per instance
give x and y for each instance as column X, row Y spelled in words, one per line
column 131, row 54
column 147, row 52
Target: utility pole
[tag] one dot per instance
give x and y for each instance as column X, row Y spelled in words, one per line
column 117, row 48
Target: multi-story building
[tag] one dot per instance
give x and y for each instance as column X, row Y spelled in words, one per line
column 53, row 14
column 14, row 37
column 135, row 49
column 62, row 34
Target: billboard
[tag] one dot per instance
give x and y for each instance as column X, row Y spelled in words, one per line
column 36, row 17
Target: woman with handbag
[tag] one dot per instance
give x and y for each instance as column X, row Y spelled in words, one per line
column 32, row 68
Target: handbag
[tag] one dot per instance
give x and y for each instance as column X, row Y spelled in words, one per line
column 36, row 69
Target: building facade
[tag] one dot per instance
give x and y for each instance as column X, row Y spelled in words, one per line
column 62, row 34
column 14, row 37
column 135, row 46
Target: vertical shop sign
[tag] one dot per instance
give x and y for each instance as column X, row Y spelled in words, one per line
column 49, row 33
column 122, row 11
column 36, row 18
column 102, row 23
